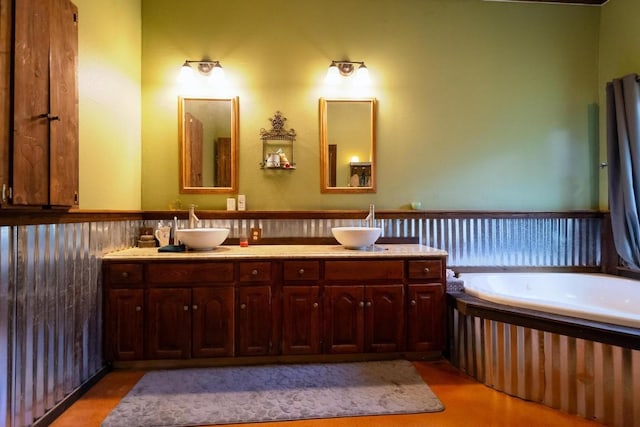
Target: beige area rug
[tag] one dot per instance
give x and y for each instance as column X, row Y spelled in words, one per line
column 249, row 394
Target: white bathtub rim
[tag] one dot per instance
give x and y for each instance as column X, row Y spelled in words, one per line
column 627, row 314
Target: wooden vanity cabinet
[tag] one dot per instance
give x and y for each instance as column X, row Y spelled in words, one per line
column 425, row 313
column 169, row 310
column 124, row 312
column 294, row 307
column 124, row 328
column 254, row 309
column 364, row 306
column 301, row 307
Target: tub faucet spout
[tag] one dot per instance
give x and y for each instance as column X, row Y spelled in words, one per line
column 370, row 220
column 193, row 219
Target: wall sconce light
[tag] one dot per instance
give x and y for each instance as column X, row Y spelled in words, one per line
column 213, row 69
column 346, row 69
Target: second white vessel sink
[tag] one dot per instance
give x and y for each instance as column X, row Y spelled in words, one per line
column 356, row 237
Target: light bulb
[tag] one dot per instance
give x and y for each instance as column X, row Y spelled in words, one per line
column 187, row 75
column 218, row 71
column 362, row 75
column 333, row 74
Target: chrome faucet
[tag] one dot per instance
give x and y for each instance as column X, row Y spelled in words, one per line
column 370, row 220
column 193, row 219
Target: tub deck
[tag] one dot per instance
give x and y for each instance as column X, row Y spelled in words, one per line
column 606, row 333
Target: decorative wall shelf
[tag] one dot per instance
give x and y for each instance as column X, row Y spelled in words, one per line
column 277, row 144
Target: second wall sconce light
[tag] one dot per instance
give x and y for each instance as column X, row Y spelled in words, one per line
column 206, row 67
column 346, row 69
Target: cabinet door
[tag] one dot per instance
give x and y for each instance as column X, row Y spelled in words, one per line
column 63, row 101
column 426, row 312
column 31, row 103
column 344, row 319
column 384, row 318
column 125, row 324
column 45, row 102
column 213, row 326
column 168, row 323
column 254, row 320
column 301, row 320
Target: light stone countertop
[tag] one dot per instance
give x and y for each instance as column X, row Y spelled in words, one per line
column 280, row 252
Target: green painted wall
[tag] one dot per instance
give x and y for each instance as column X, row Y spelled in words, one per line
column 482, row 105
column 619, row 56
column 109, row 86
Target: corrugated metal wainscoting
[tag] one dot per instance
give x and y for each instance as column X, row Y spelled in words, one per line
column 50, row 283
column 531, row 240
column 50, row 312
column 586, row 378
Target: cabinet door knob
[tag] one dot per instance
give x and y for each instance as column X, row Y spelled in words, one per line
column 368, row 304
column 301, row 272
column 138, row 308
column 185, row 308
column 243, row 306
column 315, row 305
column 125, row 274
column 426, row 270
column 361, row 304
column 195, row 306
column 413, row 303
column 254, row 272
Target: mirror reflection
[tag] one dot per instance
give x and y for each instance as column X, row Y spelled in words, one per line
column 208, row 145
column 347, row 145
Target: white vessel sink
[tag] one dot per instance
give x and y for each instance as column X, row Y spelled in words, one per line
column 200, row 239
column 356, row 237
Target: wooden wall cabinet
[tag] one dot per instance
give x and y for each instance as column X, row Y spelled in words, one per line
column 43, row 130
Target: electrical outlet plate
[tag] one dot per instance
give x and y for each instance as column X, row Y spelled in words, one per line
column 256, row 234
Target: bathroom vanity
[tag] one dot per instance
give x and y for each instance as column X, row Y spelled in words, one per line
column 275, row 301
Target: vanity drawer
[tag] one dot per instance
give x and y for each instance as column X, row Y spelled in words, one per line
column 301, row 270
column 179, row 272
column 255, row 272
column 124, row 274
column 425, row 269
column 363, row 270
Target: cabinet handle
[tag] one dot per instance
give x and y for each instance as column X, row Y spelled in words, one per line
column 301, row 272
column 368, row 304
column 195, row 306
column 361, row 304
column 52, row 118
column 243, row 306
column 185, row 308
column 254, row 272
column 426, row 270
column 125, row 274
column 315, row 305
column 138, row 308
column 413, row 303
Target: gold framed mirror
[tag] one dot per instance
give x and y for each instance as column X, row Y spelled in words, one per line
column 208, row 133
column 348, row 145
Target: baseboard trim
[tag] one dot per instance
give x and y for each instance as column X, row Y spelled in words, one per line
column 70, row 399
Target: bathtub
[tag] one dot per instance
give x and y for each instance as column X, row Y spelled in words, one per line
column 570, row 341
column 598, row 297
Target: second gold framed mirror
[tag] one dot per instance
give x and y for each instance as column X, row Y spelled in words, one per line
column 348, row 145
